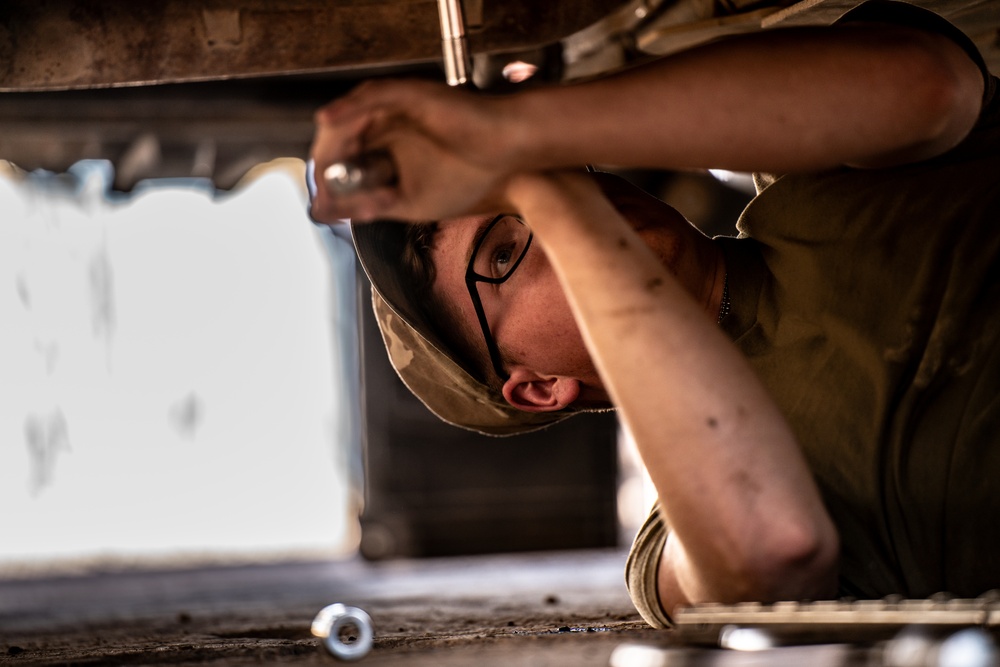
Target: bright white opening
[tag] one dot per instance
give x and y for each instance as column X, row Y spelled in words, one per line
column 170, row 381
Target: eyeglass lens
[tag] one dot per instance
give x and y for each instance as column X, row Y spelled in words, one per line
column 501, row 249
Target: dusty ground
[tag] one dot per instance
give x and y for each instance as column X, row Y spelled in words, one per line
column 536, row 610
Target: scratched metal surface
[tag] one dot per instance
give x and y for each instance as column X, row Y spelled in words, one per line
column 62, row 44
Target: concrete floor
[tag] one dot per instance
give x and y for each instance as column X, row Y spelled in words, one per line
column 556, row 609
column 543, row 609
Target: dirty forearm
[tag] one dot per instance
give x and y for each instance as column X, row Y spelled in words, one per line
column 780, row 101
column 732, row 483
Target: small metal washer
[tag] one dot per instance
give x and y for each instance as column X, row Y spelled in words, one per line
column 332, row 619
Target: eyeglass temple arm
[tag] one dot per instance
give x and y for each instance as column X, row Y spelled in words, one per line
column 484, row 325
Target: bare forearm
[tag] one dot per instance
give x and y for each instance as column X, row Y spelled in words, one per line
column 790, row 100
column 795, row 100
column 732, row 482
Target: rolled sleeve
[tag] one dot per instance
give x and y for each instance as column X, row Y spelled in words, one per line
column 641, row 570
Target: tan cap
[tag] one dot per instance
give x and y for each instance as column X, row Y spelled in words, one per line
column 436, row 375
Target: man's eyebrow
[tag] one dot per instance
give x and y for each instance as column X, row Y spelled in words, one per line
column 481, row 228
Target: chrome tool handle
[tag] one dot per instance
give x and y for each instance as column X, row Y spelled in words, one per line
column 376, row 169
column 370, row 170
column 454, row 50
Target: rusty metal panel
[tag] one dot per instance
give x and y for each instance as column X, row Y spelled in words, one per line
column 66, row 44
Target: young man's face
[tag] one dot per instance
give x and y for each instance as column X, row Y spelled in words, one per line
column 528, row 314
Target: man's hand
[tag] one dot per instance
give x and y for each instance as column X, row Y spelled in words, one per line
column 449, row 149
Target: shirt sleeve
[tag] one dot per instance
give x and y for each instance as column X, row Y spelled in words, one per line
column 641, row 570
column 905, row 14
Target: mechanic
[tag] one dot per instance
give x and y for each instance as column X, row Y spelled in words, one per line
column 817, row 400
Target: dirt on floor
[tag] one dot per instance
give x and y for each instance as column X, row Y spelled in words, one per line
column 542, row 609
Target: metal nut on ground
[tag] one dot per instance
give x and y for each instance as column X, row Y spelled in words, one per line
column 329, row 623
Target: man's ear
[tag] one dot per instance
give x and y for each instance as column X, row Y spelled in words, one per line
column 528, row 391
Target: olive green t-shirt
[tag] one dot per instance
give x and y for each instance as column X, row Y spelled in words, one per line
column 868, row 302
